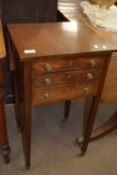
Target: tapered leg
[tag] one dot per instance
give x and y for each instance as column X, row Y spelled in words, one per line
column 4, row 145
column 91, row 107
column 26, row 134
column 17, row 100
column 27, row 111
column 89, row 118
column 87, row 106
column 67, row 109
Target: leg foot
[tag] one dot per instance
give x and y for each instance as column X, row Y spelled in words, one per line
column 27, row 167
column 5, row 152
column 81, row 154
column 6, row 158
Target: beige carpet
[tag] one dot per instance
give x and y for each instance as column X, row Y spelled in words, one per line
column 53, row 148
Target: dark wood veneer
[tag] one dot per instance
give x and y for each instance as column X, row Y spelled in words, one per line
column 66, row 47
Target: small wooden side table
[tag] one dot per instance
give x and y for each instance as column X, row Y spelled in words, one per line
column 4, row 144
column 54, row 62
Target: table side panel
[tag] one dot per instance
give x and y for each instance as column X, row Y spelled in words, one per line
column 109, row 94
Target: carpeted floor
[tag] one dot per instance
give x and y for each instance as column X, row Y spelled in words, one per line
column 53, row 148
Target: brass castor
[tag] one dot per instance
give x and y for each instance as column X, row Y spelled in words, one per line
column 79, row 141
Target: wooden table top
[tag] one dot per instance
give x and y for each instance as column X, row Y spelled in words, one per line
column 2, row 46
column 63, row 38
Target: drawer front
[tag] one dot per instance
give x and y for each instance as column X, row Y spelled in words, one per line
column 54, row 65
column 51, row 95
column 68, row 78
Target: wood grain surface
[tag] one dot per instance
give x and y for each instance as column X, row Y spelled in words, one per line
column 65, row 46
column 2, row 45
column 63, row 93
column 62, row 39
column 62, row 64
column 109, row 94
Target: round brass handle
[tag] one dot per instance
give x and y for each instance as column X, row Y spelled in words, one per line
column 93, row 62
column 86, row 90
column 48, row 82
column 90, row 76
column 48, row 67
column 46, row 96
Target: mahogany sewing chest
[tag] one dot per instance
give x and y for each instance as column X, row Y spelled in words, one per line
column 58, row 61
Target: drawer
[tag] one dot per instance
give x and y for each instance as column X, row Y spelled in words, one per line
column 51, row 95
column 68, row 78
column 53, row 65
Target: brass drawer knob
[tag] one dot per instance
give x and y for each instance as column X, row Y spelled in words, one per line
column 48, row 82
column 46, row 96
column 48, row 67
column 93, row 62
column 86, row 90
column 90, row 76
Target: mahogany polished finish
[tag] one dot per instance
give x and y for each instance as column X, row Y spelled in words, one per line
column 38, row 83
column 4, row 145
column 54, row 62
